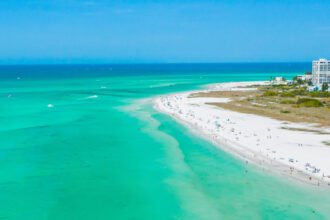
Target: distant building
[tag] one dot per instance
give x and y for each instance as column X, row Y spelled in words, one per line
column 279, row 80
column 308, row 76
column 301, row 77
column 305, row 77
column 321, row 72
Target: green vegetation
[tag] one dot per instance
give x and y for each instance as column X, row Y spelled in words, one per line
column 287, row 94
column 318, row 131
column 270, row 93
column 325, row 87
column 298, row 80
column 291, row 92
column 284, row 101
column 320, row 94
column 296, row 95
column 300, row 91
column 287, row 101
column 296, row 89
column 285, row 111
column 308, row 102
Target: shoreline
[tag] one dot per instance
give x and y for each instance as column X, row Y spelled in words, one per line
column 196, row 115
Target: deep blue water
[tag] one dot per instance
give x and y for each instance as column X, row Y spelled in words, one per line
column 73, row 71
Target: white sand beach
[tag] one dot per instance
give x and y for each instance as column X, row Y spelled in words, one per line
column 255, row 139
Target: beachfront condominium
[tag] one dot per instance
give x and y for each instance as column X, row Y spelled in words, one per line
column 321, row 72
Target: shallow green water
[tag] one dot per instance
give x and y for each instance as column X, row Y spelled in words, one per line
column 115, row 157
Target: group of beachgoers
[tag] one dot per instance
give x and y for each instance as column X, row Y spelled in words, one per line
column 262, row 140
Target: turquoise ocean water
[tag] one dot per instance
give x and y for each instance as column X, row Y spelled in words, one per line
column 103, row 152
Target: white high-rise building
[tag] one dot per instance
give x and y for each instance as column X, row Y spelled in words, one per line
column 321, row 72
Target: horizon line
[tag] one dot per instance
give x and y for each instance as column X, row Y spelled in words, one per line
column 150, row 63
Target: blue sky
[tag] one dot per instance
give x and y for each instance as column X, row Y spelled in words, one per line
column 91, row 31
